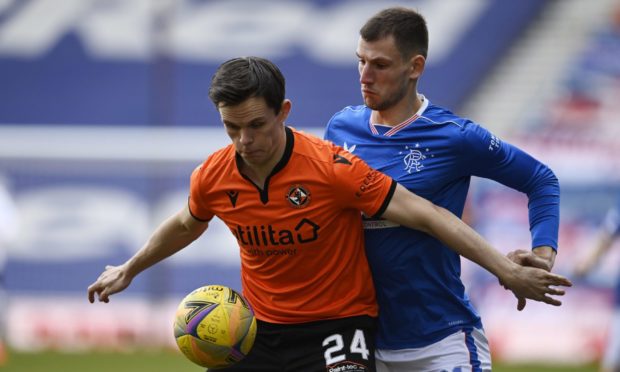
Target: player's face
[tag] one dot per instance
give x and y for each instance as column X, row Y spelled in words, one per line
column 385, row 77
column 256, row 131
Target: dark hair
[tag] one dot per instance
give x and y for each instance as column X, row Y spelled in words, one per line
column 407, row 26
column 241, row 78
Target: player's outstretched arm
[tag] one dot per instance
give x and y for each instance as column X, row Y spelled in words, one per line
column 417, row 213
column 174, row 234
column 604, row 242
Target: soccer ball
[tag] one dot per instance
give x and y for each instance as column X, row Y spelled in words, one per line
column 214, row 326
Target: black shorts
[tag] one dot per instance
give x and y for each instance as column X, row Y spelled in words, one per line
column 338, row 345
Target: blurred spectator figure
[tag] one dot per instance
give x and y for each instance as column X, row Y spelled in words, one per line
column 8, row 232
column 610, row 231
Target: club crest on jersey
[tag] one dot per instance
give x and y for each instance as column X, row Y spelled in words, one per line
column 298, row 196
column 413, row 157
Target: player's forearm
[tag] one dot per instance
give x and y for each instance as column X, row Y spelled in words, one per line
column 169, row 238
column 603, row 244
column 417, row 213
column 544, row 207
column 461, row 238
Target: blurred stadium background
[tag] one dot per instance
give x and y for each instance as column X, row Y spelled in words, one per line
column 104, row 113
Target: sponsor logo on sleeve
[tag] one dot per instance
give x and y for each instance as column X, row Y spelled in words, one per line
column 367, row 182
column 494, row 143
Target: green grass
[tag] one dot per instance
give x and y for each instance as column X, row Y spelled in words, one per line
column 155, row 361
column 169, row 361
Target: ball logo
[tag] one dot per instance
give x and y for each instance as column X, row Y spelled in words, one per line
column 298, row 196
column 212, row 328
column 197, row 307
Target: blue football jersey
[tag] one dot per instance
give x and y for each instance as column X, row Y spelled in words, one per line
column 434, row 154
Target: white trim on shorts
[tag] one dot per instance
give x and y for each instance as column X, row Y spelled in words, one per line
column 464, row 351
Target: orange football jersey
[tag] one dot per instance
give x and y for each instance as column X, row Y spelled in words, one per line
column 301, row 238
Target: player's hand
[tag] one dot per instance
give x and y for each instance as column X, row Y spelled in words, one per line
column 541, row 257
column 537, row 284
column 112, row 280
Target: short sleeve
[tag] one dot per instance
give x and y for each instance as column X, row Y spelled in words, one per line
column 359, row 186
column 197, row 206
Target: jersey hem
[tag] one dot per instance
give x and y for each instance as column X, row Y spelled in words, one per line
column 189, row 208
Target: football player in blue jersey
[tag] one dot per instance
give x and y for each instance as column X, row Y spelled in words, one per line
column 426, row 321
column 610, row 232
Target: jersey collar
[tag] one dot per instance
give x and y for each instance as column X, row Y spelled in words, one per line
column 288, row 151
column 395, row 129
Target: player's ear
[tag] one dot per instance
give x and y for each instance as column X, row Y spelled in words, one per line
column 285, row 110
column 417, row 66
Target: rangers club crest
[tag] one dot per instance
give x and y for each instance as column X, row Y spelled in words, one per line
column 413, row 157
column 298, row 196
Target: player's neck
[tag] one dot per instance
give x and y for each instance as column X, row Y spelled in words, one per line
column 258, row 176
column 258, row 173
column 398, row 113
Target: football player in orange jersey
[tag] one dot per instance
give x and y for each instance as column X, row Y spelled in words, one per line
column 293, row 202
